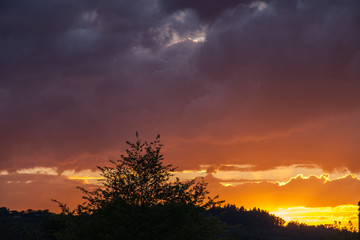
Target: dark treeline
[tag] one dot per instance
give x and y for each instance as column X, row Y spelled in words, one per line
column 30, row 224
column 255, row 218
column 170, row 222
column 256, row 224
column 138, row 201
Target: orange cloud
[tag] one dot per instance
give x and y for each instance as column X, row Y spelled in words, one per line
column 35, row 191
column 310, row 192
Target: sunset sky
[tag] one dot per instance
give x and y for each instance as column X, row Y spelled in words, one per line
column 261, row 98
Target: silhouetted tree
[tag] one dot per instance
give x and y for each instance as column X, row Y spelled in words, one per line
column 138, row 200
column 140, row 178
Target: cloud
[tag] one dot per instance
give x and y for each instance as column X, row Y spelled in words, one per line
column 308, row 192
column 35, row 191
column 38, row 188
column 273, row 83
column 206, row 10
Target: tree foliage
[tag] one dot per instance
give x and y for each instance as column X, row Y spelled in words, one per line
column 139, row 199
column 140, row 178
column 254, row 218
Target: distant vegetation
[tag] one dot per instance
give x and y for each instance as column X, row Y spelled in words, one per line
column 235, row 224
column 138, row 201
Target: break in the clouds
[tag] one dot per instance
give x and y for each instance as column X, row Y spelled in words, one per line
column 258, row 83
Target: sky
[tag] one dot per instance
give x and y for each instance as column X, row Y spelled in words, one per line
column 261, row 98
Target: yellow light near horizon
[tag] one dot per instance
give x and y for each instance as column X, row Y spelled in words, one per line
column 320, row 215
column 84, row 178
column 276, row 179
column 87, row 180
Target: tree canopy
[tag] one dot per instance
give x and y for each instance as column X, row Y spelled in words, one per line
column 140, row 178
column 140, row 198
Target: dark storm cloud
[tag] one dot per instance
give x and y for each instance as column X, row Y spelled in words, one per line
column 275, row 74
column 207, row 11
column 60, row 33
column 80, row 77
column 70, row 70
column 293, row 57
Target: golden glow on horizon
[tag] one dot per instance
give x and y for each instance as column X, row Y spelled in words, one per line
column 320, row 215
column 229, row 177
column 87, row 176
column 78, row 177
column 87, row 180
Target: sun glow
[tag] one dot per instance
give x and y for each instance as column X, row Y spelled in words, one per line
column 342, row 214
column 87, row 176
column 87, row 180
column 232, row 178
